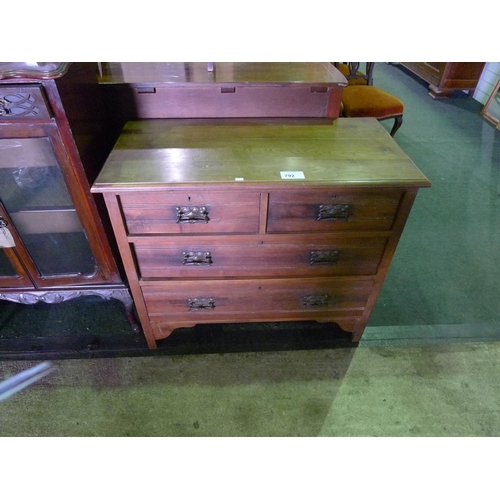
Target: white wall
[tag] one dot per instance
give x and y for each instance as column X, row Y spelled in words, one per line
column 489, row 78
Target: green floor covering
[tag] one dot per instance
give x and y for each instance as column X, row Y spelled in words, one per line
column 443, row 390
column 428, row 364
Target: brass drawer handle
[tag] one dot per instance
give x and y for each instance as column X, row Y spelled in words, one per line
column 334, row 212
column 324, row 257
column 197, row 259
column 315, row 300
column 192, row 214
column 199, row 304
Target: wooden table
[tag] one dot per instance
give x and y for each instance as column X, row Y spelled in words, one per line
column 217, row 223
column 224, row 90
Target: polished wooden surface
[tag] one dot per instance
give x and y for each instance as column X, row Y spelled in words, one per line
column 292, row 73
column 349, row 152
column 262, row 250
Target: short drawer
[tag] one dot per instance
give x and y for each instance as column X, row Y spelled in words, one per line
column 322, row 210
column 23, row 102
column 180, row 212
column 241, row 300
column 267, row 256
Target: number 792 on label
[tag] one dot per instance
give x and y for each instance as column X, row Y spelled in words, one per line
column 292, row 175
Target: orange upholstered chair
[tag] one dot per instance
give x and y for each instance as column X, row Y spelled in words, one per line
column 354, row 75
column 360, row 101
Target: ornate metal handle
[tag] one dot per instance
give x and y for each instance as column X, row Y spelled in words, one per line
column 199, row 304
column 315, row 300
column 334, row 212
column 324, row 257
column 197, row 259
column 192, row 214
column 3, row 107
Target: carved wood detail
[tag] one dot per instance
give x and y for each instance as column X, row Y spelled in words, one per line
column 51, row 297
column 18, row 104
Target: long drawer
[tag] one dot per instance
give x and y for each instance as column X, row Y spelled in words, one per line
column 266, row 256
column 332, row 210
column 179, row 212
column 223, row 300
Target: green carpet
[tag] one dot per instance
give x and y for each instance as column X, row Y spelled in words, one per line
column 441, row 390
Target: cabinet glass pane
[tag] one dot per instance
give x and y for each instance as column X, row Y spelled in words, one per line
column 34, row 192
column 6, row 268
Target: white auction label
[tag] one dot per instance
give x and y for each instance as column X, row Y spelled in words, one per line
column 6, row 239
column 293, row 175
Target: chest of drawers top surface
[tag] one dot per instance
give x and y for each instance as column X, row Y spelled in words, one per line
column 351, row 152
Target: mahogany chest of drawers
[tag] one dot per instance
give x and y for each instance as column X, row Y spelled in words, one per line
column 221, row 223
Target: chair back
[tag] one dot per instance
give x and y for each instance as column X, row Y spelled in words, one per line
column 353, row 74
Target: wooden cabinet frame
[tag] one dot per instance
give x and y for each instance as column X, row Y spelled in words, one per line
column 63, row 107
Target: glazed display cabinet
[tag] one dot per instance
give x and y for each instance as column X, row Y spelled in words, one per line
column 53, row 241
